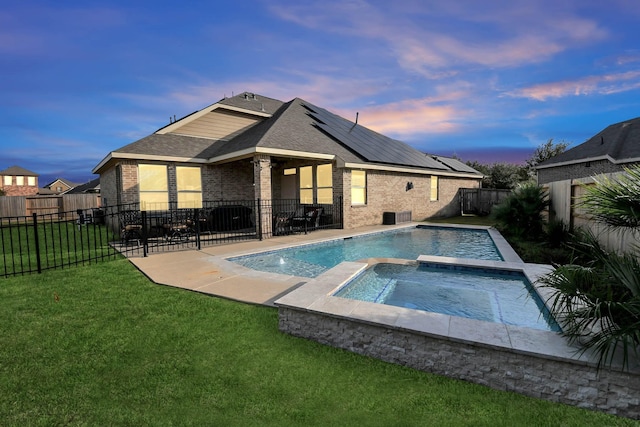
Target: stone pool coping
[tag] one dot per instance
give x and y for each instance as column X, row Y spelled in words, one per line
column 317, row 295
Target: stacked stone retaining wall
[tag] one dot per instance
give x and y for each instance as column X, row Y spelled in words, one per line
column 574, row 383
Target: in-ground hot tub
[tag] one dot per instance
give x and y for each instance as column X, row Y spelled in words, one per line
column 492, row 295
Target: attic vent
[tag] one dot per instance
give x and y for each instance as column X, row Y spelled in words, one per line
column 248, row 96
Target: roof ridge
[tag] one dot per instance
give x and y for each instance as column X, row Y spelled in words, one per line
column 273, row 120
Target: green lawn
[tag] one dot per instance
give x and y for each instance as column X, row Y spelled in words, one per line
column 101, row 345
column 465, row 220
column 60, row 243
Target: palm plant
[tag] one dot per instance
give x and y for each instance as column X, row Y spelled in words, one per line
column 615, row 202
column 599, row 302
column 521, row 213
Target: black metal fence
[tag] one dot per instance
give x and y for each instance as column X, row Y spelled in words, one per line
column 32, row 244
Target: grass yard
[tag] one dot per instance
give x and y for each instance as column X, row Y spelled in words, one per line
column 101, row 345
column 464, row 220
column 60, row 243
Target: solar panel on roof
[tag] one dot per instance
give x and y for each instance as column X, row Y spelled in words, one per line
column 456, row 165
column 371, row 145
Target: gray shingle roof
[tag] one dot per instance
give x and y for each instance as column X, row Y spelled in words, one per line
column 94, row 184
column 169, row 145
column 620, row 142
column 253, row 102
column 291, row 128
column 297, row 126
column 17, row 170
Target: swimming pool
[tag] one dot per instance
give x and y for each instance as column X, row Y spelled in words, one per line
column 408, row 243
column 492, row 295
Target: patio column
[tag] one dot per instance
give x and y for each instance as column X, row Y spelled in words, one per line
column 262, row 187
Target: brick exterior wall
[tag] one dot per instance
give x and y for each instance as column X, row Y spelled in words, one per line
column 18, row 190
column 260, row 178
column 108, row 187
column 578, row 170
column 228, row 181
column 387, row 191
column 129, row 180
column 561, row 381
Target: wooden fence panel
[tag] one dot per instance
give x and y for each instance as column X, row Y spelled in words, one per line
column 479, row 201
column 43, row 205
column 73, row 202
column 12, row 206
column 565, row 197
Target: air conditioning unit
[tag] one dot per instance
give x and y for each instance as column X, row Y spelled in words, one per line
column 390, row 218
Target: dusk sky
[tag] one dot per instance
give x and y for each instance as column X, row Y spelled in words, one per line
column 482, row 80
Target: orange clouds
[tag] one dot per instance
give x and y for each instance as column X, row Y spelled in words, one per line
column 602, row 85
column 410, row 117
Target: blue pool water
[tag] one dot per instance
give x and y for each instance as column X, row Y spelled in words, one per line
column 408, row 243
column 490, row 295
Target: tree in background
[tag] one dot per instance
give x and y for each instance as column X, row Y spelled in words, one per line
column 508, row 176
column 503, row 176
column 545, row 152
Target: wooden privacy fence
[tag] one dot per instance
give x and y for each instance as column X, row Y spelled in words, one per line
column 564, row 205
column 479, row 201
column 15, row 206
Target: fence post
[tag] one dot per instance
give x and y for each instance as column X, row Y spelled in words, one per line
column 145, row 244
column 35, row 236
column 259, row 219
column 196, row 220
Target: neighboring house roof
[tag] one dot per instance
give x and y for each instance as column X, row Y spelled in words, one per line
column 618, row 143
column 63, row 181
column 295, row 129
column 92, row 186
column 46, row 191
column 17, row 170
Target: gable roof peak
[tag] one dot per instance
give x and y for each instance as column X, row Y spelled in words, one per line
column 17, row 170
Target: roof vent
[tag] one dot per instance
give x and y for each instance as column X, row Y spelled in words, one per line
column 601, row 140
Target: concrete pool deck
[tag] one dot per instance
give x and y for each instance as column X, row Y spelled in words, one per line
column 207, row 270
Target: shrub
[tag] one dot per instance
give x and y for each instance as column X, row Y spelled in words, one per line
column 520, row 214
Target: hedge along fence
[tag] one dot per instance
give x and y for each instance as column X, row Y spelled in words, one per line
column 64, row 205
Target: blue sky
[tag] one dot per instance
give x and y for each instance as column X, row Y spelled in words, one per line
column 487, row 81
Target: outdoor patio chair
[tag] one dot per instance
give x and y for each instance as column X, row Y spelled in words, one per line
column 179, row 228
column 130, row 227
column 307, row 218
column 283, row 223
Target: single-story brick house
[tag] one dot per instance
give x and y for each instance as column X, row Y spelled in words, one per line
column 608, row 152
column 250, row 147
